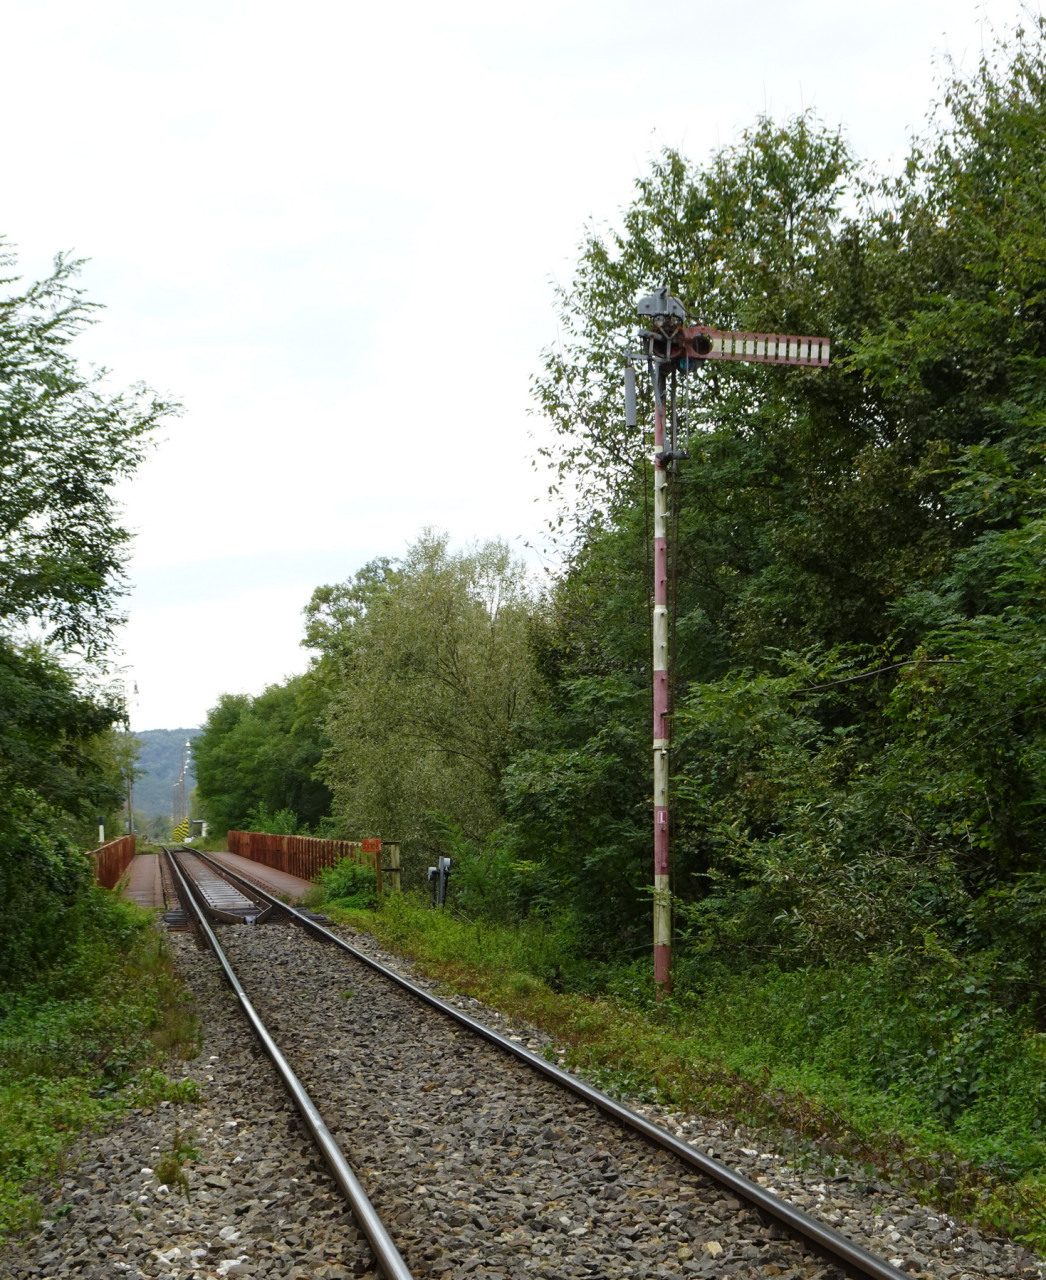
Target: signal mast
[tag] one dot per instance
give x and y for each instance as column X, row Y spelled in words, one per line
column 672, row 347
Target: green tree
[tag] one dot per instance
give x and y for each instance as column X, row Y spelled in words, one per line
column 430, row 676
column 876, row 524
column 935, row 784
column 260, row 754
column 748, row 239
column 65, row 439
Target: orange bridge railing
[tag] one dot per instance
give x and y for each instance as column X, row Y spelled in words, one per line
column 305, row 856
column 111, row 860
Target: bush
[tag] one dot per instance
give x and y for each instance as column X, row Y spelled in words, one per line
column 348, row 885
column 488, row 880
column 282, row 822
column 44, row 887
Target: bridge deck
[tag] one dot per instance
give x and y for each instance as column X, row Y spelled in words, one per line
column 145, row 887
column 268, row 877
column 143, row 880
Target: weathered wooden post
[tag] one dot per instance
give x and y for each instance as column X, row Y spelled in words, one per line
column 391, row 858
column 373, row 847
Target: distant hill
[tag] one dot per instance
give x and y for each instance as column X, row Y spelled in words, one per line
column 160, row 763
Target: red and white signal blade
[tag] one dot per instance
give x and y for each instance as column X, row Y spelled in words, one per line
column 765, row 348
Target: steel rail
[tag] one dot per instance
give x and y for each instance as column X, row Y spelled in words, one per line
column 388, row 1257
column 857, row 1260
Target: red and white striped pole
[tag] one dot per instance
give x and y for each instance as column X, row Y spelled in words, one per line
column 662, row 892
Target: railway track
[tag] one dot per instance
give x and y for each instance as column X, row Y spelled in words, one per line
column 469, row 1149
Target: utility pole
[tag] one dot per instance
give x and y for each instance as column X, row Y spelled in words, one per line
column 130, row 793
column 181, row 788
column 129, row 764
column 672, row 348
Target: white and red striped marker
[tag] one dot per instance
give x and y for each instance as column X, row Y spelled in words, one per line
column 760, row 348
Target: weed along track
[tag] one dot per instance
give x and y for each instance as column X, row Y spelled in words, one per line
column 471, row 1160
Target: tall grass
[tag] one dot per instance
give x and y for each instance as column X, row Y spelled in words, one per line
column 80, row 1039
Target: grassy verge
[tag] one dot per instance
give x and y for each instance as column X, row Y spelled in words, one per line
column 211, row 844
column 83, row 1042
column 836, row 1063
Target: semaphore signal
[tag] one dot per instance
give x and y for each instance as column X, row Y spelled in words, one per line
column 672, row 347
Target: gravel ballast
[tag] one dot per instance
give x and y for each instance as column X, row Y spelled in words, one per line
column 884, row 1219
column 260, row 1203
column 479, row 1167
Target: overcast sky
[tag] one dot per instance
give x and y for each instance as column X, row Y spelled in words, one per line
column 332, row 232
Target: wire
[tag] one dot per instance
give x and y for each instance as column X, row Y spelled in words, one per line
column 894, row 666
